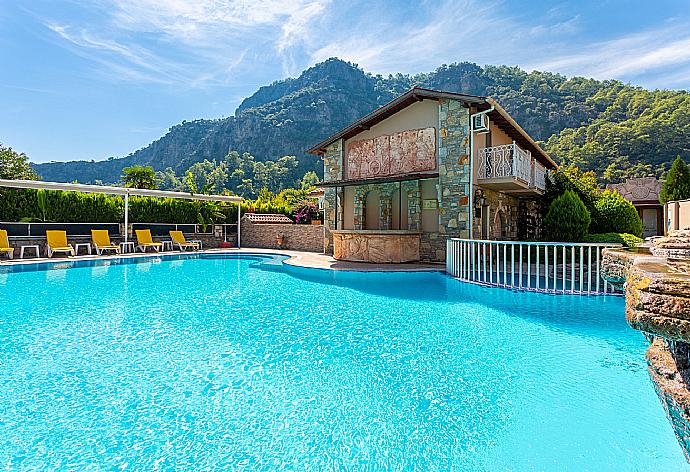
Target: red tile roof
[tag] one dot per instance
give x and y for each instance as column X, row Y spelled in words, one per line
column 267, row 219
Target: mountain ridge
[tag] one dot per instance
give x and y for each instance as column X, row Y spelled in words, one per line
column 286, row 117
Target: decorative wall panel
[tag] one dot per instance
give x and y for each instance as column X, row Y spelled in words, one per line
column 394, row 154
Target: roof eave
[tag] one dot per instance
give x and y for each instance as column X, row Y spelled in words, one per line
column 410, row 97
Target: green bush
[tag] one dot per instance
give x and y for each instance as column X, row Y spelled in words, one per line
column 628, row 240
column 567, row 219
column 614, row 214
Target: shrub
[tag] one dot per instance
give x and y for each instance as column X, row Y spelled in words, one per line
column 626, row 239
column 305, row 212
column 567, row 219
column 614, row 214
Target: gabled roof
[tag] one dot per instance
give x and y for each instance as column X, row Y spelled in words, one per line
column 498, row 116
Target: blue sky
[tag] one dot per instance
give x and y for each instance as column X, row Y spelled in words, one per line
column 90, row 79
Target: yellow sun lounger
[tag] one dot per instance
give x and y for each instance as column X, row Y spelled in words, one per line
column 179, row 240
column 5, row 244
column 101, row 241
column 144, row 240
column 57, row 242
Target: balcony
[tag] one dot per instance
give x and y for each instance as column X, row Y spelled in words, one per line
column 510, row 169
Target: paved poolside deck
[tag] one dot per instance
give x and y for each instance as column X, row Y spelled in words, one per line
column 297, row 258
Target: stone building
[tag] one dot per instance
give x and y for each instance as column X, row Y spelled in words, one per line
column 427, row 166
column 644, row 192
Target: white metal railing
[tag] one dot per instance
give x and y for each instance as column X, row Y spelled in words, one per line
column 539, row 176
column 507, row 160
column 543, row 267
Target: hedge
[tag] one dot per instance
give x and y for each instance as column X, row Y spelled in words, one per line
column 77, row 207
column 626, row 239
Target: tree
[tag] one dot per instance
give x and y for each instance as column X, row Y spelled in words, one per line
column 15, row 165
column 567, row 219
column 677, row 183
column 167, row 180
column 309, row 180
column 139, row 177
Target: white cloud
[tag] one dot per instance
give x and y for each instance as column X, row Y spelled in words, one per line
column 655, row 53
column 211, row 42
column 203, row 41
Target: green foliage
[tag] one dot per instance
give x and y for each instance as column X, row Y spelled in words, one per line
column 64, row 207
column 584, row 184
column 139, row 177
column 567, row 219
column 614, row 214
column 75, row 207
column 628, row 240
column 636, row 133
column 15, row 165
column 167, row 180
column 309, row 180
column 677, row 183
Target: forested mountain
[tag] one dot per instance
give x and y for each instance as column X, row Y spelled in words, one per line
column 613, row 128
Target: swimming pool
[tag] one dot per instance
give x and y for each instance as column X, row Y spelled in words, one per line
column 243, row 363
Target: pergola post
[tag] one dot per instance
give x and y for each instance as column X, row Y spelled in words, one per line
column 126, row 217
column 239, row 216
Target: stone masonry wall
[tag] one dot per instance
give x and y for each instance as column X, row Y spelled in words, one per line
column 454, row 177
column 297, row 237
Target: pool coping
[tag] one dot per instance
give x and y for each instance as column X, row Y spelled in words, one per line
column 294, row 258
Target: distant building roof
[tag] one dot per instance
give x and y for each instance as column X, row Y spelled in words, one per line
column 317, row 192
column 499, row 116
column 273, row 218
column 640, row 190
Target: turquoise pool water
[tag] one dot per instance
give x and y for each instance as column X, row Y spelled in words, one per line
column 233, row 364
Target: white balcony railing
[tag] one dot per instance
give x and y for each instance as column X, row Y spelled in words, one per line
column 539, row 176
column 507, row 160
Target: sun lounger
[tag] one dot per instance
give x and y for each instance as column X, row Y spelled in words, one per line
column 57, row 242
column 5, row 247
column 180, row 241
column 144, row 241
column 101, row 241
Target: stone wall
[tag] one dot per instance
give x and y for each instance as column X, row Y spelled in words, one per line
column 296, row 237
column 454, row 175
column 657, row 293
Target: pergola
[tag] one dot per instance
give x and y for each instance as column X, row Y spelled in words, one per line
column 125, row 192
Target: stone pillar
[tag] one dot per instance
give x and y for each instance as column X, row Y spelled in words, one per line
column 360, row 195
column 385, row 207
column 332, row 171
column 454, row 173
column 414, row 206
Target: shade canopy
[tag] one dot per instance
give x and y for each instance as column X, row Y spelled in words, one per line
column 39, row 184
column 126, row 192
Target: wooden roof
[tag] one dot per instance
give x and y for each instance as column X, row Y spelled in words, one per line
column 498, row 116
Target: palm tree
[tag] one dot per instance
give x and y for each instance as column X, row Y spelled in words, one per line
column 139, row 177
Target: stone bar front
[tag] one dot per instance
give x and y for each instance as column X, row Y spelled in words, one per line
column 379, row 246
